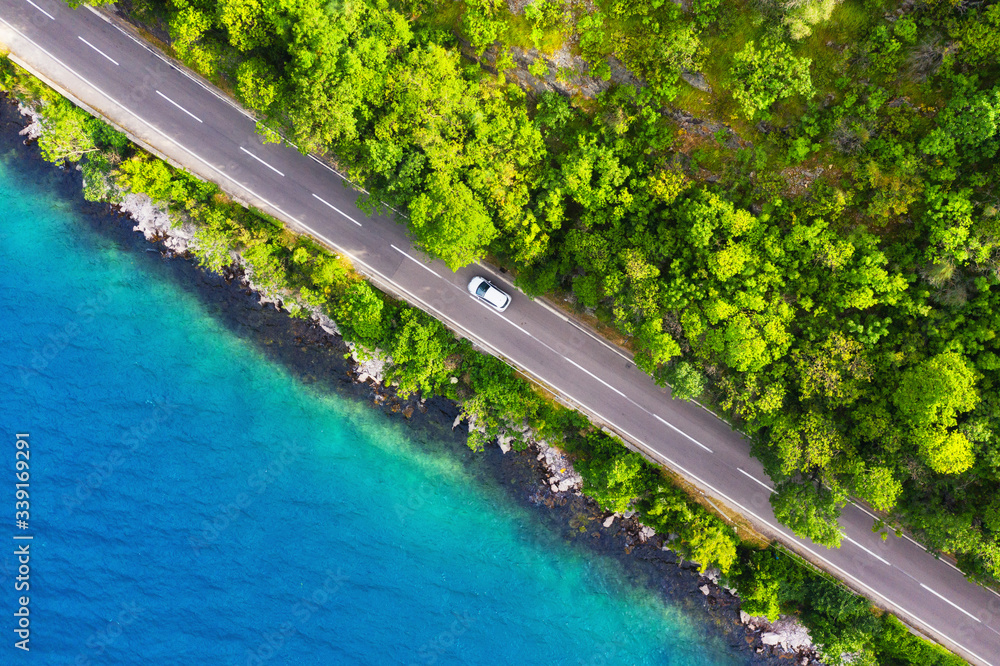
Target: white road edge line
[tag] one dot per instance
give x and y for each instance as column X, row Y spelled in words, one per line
column 603, row 342
column 745, row 510
column 676, row 429
column 459, row 326
column 98, row 50
column 551, row 309
column 951, row 565
column 330, row 205
column 263, row 162
column 880, row 559
column 864, row 510
column 756, row 480
column 951, row 603
column 182, row 71
column 416, row 261
column 41, row 10
column 179, row 106
column 916, row 543
column 566, row 319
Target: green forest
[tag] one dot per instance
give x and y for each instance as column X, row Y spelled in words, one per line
column 823, row 267
column 427, row 358
column 808, row 241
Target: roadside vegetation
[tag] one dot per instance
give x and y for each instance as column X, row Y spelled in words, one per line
column 846, row 325
column 823, row 268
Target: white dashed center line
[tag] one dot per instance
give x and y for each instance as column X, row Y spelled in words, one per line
column 178, row 106
column 880, row 559
column 264, row 163
column 41, row 10
column 951, row 603
column 416, row 261
column 330, row 205
column 597, row 378
column 755, row 480
column 679, row 431
column 99, row 51
column 428, row 306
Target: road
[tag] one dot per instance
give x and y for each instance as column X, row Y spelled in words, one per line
column 179, row 117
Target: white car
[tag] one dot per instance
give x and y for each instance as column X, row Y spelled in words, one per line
column 484, row 290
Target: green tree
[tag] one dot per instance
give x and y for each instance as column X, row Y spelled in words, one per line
column 937, row 390
column 980, row 36
column 809, row 510
column 214, row 240
column 686, row 381
column 449, row 222
column 761, row 77
column 616, row 481
column 149, row 176
column 501, row 403
column 361, row 312
column 878, row 485
column 419, row 349
column 255, row 84
column 932, row 394
column 759, row 584
column 66, row 133
column 248, row 23
column 802, row 15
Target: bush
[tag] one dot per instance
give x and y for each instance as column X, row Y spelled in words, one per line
column 360, row 312
column 761, row 77
column 686, row 381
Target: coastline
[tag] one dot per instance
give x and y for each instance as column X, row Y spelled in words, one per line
column 540, row 476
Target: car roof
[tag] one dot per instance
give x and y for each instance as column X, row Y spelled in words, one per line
column 496, row 297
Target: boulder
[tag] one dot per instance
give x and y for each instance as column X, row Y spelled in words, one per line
column 696, row 80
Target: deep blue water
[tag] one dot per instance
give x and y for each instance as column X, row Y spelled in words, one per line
column 192, row 502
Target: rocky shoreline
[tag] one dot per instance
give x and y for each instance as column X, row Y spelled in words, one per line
column 541, row 476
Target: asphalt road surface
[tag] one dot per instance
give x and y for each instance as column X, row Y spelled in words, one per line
column 176, row 115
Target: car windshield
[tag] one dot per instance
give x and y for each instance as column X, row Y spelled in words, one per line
column 483, row 288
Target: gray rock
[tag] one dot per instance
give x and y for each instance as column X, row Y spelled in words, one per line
column 696, row 80
column 704, row 590
column 610, row 519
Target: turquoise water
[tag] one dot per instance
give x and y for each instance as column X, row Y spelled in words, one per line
column 192, row 502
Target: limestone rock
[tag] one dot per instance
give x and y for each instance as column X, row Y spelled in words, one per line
column 696, row 80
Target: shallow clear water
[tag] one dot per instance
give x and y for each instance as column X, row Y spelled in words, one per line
column 192, row 502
